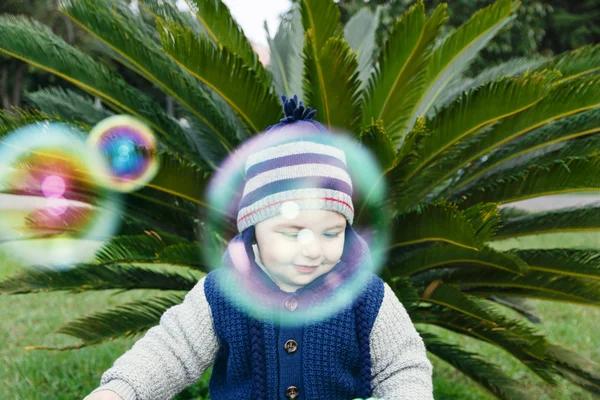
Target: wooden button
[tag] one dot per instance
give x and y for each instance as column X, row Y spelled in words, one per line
column 292, row 393
column 290, row 346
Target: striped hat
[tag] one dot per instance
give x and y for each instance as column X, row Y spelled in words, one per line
column 302, row 170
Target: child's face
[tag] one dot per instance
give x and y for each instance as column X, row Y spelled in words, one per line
column 297, row 251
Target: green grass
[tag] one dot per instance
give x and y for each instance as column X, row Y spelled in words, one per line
column 31, row 319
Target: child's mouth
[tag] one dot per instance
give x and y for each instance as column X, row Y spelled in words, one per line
column 305, row 269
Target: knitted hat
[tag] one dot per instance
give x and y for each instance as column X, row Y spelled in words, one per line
column 302, row 170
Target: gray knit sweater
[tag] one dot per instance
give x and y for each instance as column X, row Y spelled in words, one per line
column 174, row 354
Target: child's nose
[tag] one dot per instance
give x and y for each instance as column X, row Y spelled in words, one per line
column 311, row 248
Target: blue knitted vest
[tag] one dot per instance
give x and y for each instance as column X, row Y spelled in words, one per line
column 332, row 360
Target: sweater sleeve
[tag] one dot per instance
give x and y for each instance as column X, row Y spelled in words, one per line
column 399, row 365
column 171, row 356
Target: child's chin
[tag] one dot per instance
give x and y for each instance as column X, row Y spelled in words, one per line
column 305, row 279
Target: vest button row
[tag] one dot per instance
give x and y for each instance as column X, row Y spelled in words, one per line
column 290, row 346
column 292, row 393
column 291, row 304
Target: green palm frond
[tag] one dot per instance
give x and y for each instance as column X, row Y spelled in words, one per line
column 179, row 178
column 519, row 305
column 286, row 55
column 222, row 29
column 486, row 374
column 331, row 82
column 559, row 176
column 576, row 63
column 403, row 289
column 585, row 218
column 451, row 297
column 545, row 359
column 582, row 263
column 485, row 219
column 322, row 19
column 451, row 255
column 36, row 44
column 11, row 120
column 458, row 50
column 68, row 105
column 578, row 370
column 152, row 248
column 513, row 67
column 119, row 31
column 561, row 101
column 86, row 277
column 518, row 339
column 191, row 254
column 434, row 222
column 534, row 284
column 395, row 86
column 223, row 72
column 127, row 320
column 513, row 212
column 136, row 247
column 477, row 109
column 162, row 211
column 555, row 132
column 380, row 144
column 396, row 174
column 574, row 149
column 168, row 10
column 360, row 34
column 163, row 11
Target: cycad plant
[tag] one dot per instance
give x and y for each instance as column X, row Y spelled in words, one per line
column 453, row 149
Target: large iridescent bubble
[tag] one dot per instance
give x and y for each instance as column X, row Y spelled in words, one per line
column 129, row 149
column 54, row 212
column 247, row 273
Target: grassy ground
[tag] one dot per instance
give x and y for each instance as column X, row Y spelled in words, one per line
column 31, row 319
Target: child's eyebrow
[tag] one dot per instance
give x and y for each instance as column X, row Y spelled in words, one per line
column 301, row 227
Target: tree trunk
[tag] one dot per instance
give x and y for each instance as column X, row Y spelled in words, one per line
column 170, row 106
column 70, row 30
column 18, row 85
column 4, row 87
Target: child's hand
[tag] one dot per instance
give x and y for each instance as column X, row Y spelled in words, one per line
column 103, row 395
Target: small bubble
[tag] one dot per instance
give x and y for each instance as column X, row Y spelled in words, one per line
column 305, row 236
column 290, row 210
column 53, row 186
column 57, row 203
column 128, row 147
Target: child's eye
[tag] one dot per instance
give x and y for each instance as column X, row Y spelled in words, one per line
column 327, row 235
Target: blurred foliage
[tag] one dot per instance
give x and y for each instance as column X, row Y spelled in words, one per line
column 546, row 27
column 17, row 77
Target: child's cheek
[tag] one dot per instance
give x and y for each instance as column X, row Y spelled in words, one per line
column 285, row 253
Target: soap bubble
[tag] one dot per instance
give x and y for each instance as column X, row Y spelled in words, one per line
column 53, row 210
column 235, row 188
column 129, row 149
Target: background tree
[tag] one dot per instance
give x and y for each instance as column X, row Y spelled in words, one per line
column 452, row 149
column 547, row 27
column 17, row 77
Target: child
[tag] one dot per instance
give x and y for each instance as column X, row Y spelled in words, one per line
column 369, row 348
